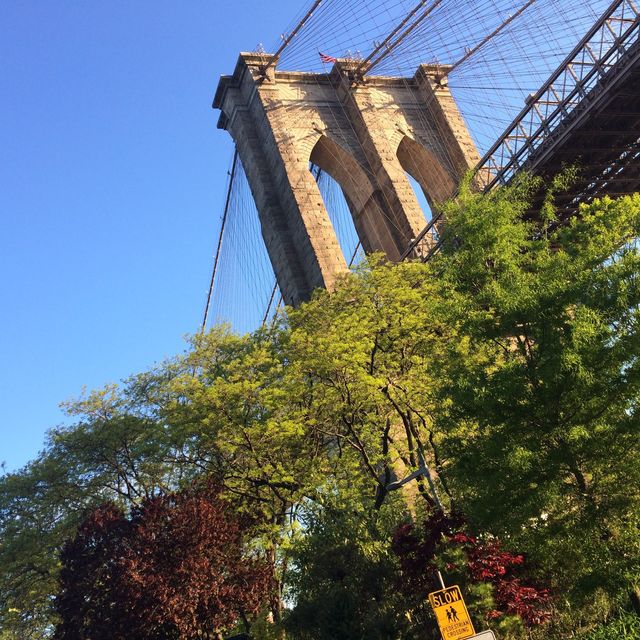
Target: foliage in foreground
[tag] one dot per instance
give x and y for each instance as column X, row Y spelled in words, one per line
column 496, row 582
column 501, row 378
column 176, row 568
column 625, row 627
column 544, row 391
column 345, row 581
column 349, row 582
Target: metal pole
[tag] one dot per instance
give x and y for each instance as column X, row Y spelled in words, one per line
column 271, row 297
column 355, row 253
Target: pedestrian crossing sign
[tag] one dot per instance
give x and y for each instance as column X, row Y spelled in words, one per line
column 451, row 614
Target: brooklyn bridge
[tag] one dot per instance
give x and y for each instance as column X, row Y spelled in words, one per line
column 366, row 116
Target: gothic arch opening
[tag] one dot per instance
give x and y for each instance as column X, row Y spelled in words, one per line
column 362, row 198
column 427, row 171
column 420, row 196
column 340, row 216
column 344, row 169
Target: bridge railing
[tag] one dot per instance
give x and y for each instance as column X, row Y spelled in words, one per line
column 597, row 53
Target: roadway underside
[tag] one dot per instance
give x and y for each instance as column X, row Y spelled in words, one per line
column 601, row 136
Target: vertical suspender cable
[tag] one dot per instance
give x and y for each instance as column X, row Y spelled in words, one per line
column 220, row 237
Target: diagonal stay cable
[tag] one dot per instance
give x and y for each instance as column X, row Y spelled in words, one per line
column 489, row 37
column 220, row 238
column 390, row 46
column 292, row 35
column 384, row 43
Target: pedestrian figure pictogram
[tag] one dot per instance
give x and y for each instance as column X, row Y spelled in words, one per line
column 451, row 614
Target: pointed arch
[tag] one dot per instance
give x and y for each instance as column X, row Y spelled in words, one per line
column 424, row 167
column 344, row 169
column 362, row 197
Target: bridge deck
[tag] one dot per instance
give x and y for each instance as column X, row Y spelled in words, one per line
column 587, row 113
column 601, row 136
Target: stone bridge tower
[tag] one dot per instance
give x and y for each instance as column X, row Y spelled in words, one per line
column 365, row 135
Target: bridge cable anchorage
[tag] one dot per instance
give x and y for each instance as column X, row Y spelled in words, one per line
column 488, row 38
column 389, row 47
column 291, row 36
column 220, row 238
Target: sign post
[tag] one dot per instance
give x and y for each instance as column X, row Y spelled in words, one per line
column 451, row 614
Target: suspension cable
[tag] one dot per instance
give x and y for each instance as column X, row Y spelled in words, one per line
column 220, row 237
column 390, row 47
column 492, row 35
column 384, row 43
column 291, row 36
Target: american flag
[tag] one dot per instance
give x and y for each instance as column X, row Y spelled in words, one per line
column 326, row 58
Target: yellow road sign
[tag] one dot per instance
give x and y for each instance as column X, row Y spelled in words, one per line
column 451, row 614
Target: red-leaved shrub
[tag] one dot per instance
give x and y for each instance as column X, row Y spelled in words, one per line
column 484, row 562
column 175, row 569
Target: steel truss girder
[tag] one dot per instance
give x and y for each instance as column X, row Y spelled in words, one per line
column 580, row 74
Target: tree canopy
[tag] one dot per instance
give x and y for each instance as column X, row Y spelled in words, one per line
column 499, row 380
column 175, row 569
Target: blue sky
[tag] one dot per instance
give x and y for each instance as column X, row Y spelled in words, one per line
column 113, row 174
column 112, row 177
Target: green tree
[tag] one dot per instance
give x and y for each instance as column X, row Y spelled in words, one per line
column 363, row 354
column 625, row 627
column 219, row 411
column 114, row 452
column 344, row 583
column 501, row 378
column 539, row 393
